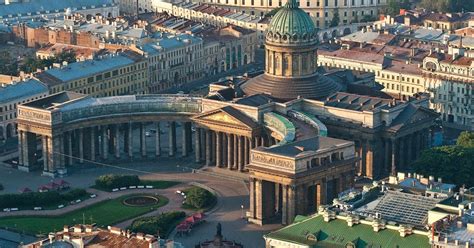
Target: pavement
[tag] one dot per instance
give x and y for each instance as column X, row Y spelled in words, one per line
column 232, row 194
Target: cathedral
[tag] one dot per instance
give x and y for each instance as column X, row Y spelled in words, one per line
column 300, row 136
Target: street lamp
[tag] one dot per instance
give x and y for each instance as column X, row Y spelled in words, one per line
column 242, row 211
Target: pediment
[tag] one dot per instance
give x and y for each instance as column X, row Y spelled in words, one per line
column 227, row 116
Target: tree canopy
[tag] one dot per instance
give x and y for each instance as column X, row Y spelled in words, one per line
column 335, row 18
column 455, row 164
column 31, row 64
column 448, row 5
column 466, row 139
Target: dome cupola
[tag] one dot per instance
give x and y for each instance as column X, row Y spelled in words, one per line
column 291, row 25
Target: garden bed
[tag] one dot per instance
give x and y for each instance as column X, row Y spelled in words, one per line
column 105, row 213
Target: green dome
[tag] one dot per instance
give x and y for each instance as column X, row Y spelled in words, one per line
column 291, row 20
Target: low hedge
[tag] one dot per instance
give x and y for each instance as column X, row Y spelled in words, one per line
column 112, row 181
column 37, row 199
column 158, row 225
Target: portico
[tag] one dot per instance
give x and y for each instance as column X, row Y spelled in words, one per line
column 298, row 177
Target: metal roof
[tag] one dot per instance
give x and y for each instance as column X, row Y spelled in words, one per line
column 87, row 68
column 17, row 91
column 42, row 6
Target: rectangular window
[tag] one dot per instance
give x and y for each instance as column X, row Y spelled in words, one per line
column 90, row 80
column 326, row 3
column 335, row 3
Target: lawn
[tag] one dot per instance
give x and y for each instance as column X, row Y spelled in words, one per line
column 155, row 184
column 108, row 212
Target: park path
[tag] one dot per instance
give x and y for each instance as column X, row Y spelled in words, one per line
column 170, row 193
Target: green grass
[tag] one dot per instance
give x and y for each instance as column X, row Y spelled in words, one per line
column 155, row 184
column 108, row 212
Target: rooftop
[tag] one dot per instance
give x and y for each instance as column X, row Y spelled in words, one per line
column 312, row 144
column 83, row 69
column 34, row 6
column 337, row 234
column 359, row 102
column 16, row 91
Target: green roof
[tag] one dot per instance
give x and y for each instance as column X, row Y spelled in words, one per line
column 336, row 233
column 291, row 20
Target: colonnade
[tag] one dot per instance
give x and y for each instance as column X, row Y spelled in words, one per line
column 271, row 200
column 103, row 142
column 384, row 156
column 225, row 150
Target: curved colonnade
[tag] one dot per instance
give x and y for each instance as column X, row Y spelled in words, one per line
column 81, row 129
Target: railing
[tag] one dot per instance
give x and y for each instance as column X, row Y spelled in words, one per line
column 281, row 125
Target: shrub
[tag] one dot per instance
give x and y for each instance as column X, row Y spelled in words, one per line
column 161, row 224
column 112, row 181
column 74, row 194
column 198, row 198
column 37, row 199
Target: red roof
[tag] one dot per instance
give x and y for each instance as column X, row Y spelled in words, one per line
column 61, row 182
column 190, row 220
column 51, row 186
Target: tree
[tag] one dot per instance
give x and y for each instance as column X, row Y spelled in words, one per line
column 455, row 164
column 466, row 139
column 393, row 7
column 31, row 64
column 198, row 197
column 335, row 18
column 448, row 5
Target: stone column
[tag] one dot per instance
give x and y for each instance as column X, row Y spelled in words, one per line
column 321, row 192
column 230, row 150
column 284, row 205
column 364, row 157
column 387, row 157
column 218, row 149
column 241, row 153
column 256, row 141
column 291, row 204
column 172, row 138
column 81, row 145
column 105, row 143
column 189, row 135
column 44, row 143
column 393, row 160
column 21, row 140
column 59, row 152
column 417, row 145
column 52, row 155
column 252, row 198
column 401, row 155
column 203, row 144
column 224, row 149
column 409, row 149
column 93, row 138
column 184, row 140
column 117, row 141
column 208, row 147
column 236, row 151
column 369, row 161
column 277, row 198
column 130, row 140
column 258, row 200
column 69, row 147
column 246, row 150
column 143, row 139
column 197, row 143
column 213, row 147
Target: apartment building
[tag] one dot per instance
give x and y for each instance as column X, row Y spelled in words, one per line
column 107, row 75
column 13, row 94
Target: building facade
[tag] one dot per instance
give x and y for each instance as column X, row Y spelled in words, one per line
column 14, row 10
column 320, row 11
column 12, row 95
column 108, row 75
